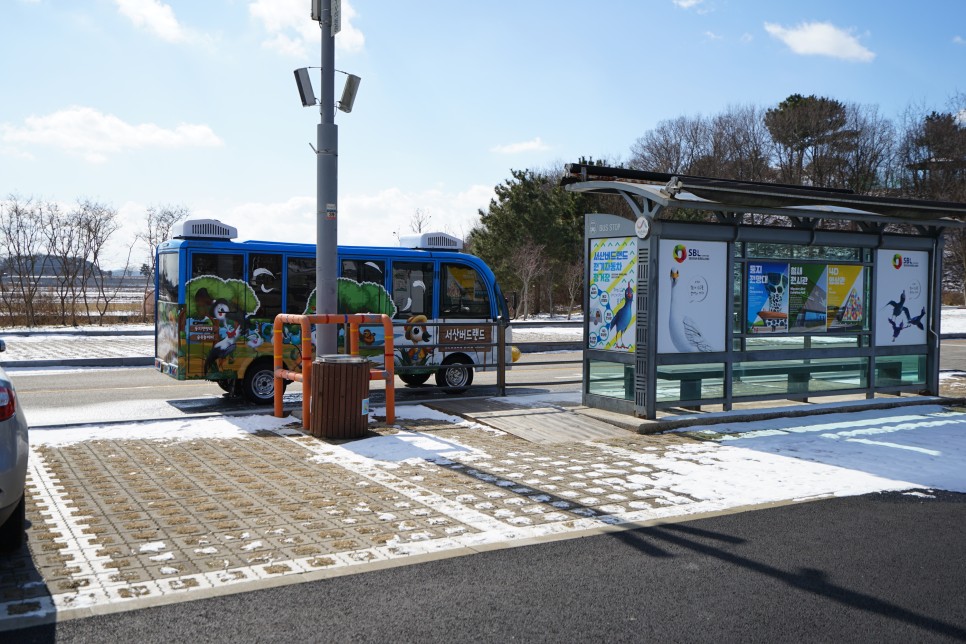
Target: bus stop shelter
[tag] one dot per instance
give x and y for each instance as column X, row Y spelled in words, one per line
column 720, row 292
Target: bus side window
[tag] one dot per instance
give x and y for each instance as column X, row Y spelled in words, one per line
column 168, row 278
column 364, row 270
column 265, row 278
column 412, row 289
column 219, row 265
column 464, row 293
column 301, row 282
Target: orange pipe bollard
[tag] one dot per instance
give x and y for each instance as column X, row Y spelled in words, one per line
column 352, row 323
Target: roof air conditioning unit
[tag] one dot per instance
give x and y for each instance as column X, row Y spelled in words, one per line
column 203, row 229
column 431, row 241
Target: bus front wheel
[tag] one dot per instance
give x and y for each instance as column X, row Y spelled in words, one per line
column 455, row 375
column 259, row 383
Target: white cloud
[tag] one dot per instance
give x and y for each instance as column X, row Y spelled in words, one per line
column 155, row 16
column 746, row 38
column 94, row 135
column 710, row 35
column 687, row 4
column 821, row 39
column 292, row 33
column 533, row 145
column 959, row 40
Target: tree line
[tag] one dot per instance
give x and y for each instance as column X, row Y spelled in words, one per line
column 51, row 260
column 531, row 233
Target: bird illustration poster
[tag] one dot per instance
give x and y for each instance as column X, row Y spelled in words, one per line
column 693, row 290
column 807, row 297
column 846, row 297
column 612, row 290
column 902, row 301
column 767, row 293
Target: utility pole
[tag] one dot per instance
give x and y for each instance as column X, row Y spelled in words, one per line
column 327, row 186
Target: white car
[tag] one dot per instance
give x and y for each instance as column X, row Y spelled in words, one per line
column 13, row 465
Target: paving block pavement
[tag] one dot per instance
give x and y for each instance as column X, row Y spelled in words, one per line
column 120, row 524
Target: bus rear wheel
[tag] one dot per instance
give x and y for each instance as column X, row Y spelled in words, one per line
column 259, row 383
column 455, row 375
column 414, row 379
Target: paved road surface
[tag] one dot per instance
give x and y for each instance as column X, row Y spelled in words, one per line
column 877, row 568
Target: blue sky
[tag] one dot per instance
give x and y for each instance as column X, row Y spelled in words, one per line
column 147, row 102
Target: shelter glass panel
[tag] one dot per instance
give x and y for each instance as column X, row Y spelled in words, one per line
column 611, row 379
column 814, row 376
column 800, row 342
column 893, row 371
column 690, row 382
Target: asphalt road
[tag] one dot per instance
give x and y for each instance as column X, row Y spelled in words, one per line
column 58, row 396
column 952, row 355
column 877, row 568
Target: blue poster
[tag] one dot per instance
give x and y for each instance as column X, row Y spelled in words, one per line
column 613, row 316
column 767, row 297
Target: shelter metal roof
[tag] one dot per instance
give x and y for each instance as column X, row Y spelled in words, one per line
column 727, row 196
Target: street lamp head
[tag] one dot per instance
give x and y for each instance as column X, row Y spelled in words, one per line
column 349, row 92
column 305, row 87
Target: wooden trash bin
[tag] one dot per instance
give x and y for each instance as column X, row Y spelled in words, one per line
column 339, row 390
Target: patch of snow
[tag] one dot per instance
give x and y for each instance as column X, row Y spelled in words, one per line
column 167, row 430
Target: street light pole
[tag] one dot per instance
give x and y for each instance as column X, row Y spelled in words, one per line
column 327, row 186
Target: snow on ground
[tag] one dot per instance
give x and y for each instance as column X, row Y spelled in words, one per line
column 176, row 430
column 742, row 463
column 845, row 452
column 953, row 320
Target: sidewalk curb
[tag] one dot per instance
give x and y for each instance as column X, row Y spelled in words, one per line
column 135, row 361
column 717, row 418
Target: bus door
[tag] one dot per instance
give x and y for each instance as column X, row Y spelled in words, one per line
column 414, row 337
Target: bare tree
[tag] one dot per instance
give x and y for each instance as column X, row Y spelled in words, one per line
column 62, row 235
column 419, row 221
column 21, row 239
column 158, row 223
column 673, row 146
column 528, row 262
column 573, row 278
column 98, row 223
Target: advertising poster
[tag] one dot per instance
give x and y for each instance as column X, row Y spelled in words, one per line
column 693, row 289
column 902, row 286
column 807, row 297
column 612, row 285
column 767, row 292
column 846, row 297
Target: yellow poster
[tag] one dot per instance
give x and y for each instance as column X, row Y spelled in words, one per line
column 846, row 297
